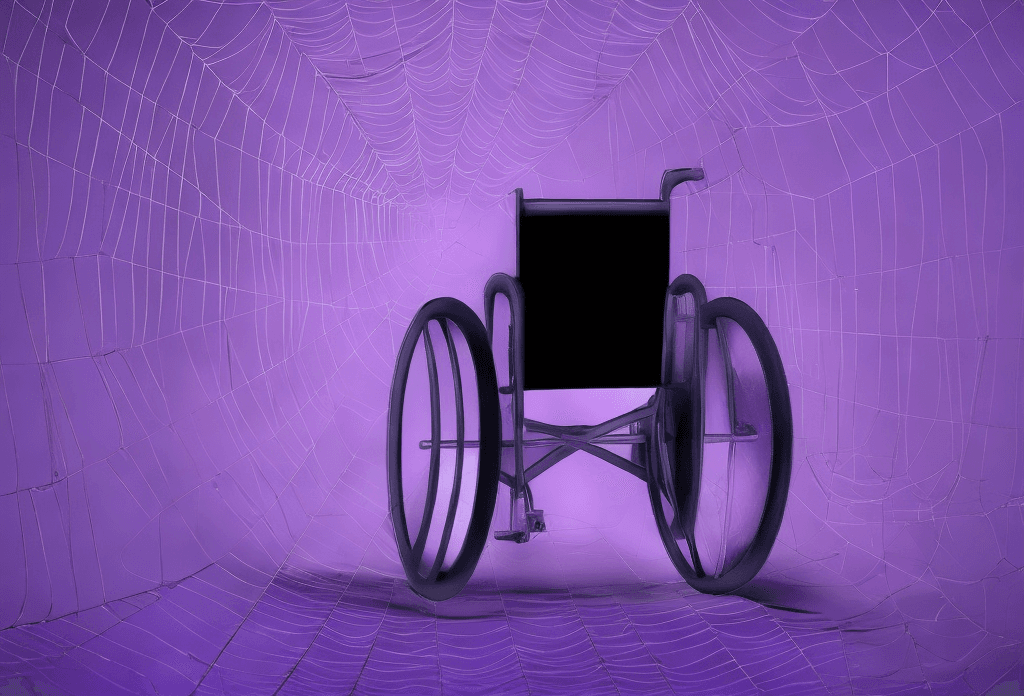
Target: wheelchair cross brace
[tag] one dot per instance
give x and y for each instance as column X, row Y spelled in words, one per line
column 571, row 438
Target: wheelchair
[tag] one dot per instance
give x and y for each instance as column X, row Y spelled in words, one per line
column 718, row 425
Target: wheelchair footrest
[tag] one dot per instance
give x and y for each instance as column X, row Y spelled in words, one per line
column 512, row 535
column 534, row 523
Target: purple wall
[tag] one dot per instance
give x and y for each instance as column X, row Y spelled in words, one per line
column 217, row 221
column 194, row 256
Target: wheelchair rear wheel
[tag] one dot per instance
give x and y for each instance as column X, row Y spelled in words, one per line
column 444, row 443
column 719, row 451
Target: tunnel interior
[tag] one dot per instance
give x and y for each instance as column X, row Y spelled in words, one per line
column 218, row 219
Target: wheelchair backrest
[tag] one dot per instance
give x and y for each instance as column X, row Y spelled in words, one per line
column 594, row 275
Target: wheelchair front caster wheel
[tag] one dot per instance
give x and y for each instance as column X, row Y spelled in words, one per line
column 443, row 454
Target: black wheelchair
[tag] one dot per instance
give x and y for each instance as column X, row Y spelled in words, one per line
column 718, row 428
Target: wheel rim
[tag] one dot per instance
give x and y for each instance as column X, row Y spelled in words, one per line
column 451, row 339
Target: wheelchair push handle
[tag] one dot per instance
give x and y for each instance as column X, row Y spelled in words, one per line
column 673, row 177
column 532, row 207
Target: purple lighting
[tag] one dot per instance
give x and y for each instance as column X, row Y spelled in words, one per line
column 217, row 221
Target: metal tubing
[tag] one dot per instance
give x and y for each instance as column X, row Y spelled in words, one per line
column 513, row 292
column 554, row 206
column 614, row 459
column 592, row 431
column 435, row 451
column 529, row 207
column 614, row 439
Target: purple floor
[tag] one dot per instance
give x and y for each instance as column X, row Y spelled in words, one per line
column 218, row 219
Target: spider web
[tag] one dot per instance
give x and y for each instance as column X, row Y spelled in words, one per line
column 217, row 220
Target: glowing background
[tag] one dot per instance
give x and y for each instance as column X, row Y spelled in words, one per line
column 216, row 222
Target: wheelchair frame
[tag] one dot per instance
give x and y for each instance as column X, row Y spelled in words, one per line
column 666, row 434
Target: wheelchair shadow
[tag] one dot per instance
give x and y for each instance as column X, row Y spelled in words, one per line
column 786, row 596
column 833, row 601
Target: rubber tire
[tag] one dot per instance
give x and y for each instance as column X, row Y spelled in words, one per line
column 684, row 411
column 447, row 583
